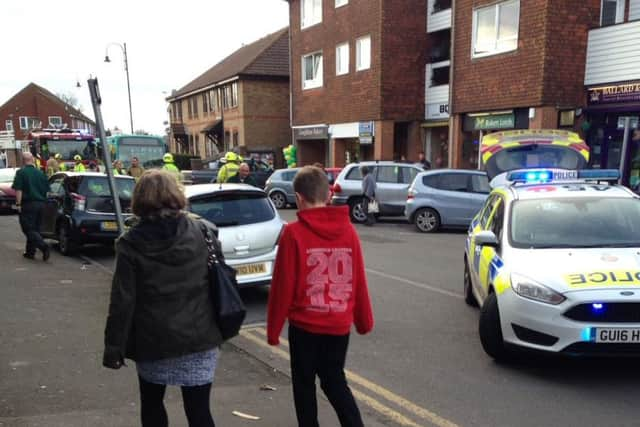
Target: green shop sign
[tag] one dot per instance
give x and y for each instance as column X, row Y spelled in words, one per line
column 498, row 121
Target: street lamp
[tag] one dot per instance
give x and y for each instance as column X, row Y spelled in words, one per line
column 123, row 47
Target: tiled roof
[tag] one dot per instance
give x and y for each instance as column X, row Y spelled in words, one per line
column 268, row 56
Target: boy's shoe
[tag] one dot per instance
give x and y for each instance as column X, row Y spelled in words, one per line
column 46, row 253
column 28, row 256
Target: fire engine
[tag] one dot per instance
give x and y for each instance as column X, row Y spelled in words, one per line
column 65, row 142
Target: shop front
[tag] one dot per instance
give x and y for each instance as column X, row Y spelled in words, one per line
column 476, row 125
column 612, row 129
column 351, row 142
column 435, row 131
column 312, row 144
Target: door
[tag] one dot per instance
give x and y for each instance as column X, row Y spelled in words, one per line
column 53, row 206
column 479, row 189
column 391, row 191
column 489, row 257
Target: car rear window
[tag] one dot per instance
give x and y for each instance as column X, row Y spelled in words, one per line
column 447, row 181
column 231, row 209
column 98, row 194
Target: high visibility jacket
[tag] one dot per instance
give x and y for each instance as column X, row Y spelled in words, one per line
column 38, row 164
column 173, row 170
column 227, row 171
column 62, row 166
column 79, row 167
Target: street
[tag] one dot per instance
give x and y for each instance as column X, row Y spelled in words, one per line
column 421, row 366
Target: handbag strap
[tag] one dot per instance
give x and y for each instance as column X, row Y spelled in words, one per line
column 213, row 246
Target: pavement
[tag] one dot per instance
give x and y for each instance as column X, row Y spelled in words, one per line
column 53, row 316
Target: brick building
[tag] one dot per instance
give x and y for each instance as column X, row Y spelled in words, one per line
column 358, row 79
column 516, row 65
column 35, row 107
column 241, row 104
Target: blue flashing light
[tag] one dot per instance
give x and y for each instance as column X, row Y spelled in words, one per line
column 597, row 306
column 586, row 334
column 531, row 176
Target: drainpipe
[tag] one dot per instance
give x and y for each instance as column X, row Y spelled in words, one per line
column 293, row 140
column 625, row 146
column 451, row 64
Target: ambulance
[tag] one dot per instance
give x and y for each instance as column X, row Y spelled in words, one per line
column 553, row 257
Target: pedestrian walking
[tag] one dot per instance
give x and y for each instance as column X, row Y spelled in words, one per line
column 243, row 176
column 322, row 293
column 31, row 187
column 160, row 313
column 135, row 170
column 368, row 194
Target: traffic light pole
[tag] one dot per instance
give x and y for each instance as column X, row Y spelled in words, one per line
column 96, row 101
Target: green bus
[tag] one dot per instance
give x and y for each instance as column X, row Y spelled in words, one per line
column 148, row 149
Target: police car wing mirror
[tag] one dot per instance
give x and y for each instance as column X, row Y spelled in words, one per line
column 486, row 238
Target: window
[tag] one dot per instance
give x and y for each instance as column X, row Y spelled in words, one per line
column 363, row 53
column 408, row 175
column 498, row 221
column 440, row 5
column 612, row 12
column 480, row 184
column 495, row 28
column 55, row 121
column 439, row 76
column 189, row 109
column 29, row 122
column 312, row 70
column 342, row 59
column 234, row 209
column 8, row 125
column 388, row 174
column 341, row 2
column 453, row 182
column 311, row 12
column 230, row 96
column 194, row 101
column 205, row 102
column 24, row 122
column 488, row 209
column 356, row 175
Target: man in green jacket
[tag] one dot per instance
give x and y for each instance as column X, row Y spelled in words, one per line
column 31, row 187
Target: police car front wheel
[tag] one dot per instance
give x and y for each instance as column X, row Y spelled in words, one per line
column 490, row 330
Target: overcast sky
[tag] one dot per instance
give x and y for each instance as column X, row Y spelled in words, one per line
column 169, row 43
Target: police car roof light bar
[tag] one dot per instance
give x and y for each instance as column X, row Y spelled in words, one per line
column 538, row 176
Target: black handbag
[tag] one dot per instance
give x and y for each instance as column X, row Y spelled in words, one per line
column 227, row 304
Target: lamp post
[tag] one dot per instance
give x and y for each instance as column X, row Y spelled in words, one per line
column 123, row 47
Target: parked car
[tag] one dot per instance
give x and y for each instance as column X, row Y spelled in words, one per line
column 79, row 209
column 249, row 227
column 260, row 171
column 279, row 187
column 392, row 181
column 446, row 198
column 7, row 194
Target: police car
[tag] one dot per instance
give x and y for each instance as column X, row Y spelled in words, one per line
column 553, row 259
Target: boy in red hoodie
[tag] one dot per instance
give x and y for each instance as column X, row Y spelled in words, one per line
column 319, row 284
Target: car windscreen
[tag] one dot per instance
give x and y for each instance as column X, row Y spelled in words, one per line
column 579, row 222
column 232, row 209
column 534, row 156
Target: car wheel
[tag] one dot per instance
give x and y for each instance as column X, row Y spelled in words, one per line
column 491, row 330
column 356, row 211
column 427, row 220
column 65, row 244
column 278, row 199
column 469, row 298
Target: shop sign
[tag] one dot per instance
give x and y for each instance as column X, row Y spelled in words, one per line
column 633, row 122
column 437, row 111
column 366, row 132
column 498, row 121
column 314, row 132
column 628, row 92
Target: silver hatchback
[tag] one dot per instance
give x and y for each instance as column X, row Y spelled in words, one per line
column 248, row 223
column 446, row 197
column 392, row 182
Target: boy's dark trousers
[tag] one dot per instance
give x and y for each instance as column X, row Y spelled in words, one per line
column 324, row 356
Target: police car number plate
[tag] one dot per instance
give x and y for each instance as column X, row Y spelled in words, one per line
column 246, row 269
column 109, row 226
column 617, row 335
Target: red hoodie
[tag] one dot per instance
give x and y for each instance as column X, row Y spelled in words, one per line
column 319, row 282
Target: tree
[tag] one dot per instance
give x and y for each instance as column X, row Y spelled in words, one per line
column 70, row 99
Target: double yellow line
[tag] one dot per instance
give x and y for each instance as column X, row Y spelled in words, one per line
column 257, row 335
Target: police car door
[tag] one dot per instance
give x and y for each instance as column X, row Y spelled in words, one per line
column 490, row 260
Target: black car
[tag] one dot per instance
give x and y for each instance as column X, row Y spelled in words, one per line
column 80, row 209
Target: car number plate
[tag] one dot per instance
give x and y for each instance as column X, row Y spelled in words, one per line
column 109, row 226
column 246, row 269
column 617, row 335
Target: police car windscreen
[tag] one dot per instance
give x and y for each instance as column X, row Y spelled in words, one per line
column 575, row 223
column 534, row 156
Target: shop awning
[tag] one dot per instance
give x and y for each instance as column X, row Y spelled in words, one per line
column 439, row 123
column 213, row 128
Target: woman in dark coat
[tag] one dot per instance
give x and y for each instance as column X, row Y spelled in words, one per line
column 160, row 313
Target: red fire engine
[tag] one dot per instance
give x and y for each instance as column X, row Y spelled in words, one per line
column 66, row 142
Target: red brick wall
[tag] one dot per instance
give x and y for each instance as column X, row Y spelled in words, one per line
column 347, row 98
column 31, row 103
column 404, row 58
column 507, row 80
column 568, row 25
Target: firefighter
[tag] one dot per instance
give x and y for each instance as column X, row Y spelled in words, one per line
column 170, row 166
column 61, row 165
column 79, row 167
column 230, row 168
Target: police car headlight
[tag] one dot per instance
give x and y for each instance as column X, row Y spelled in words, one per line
column 531, row 289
